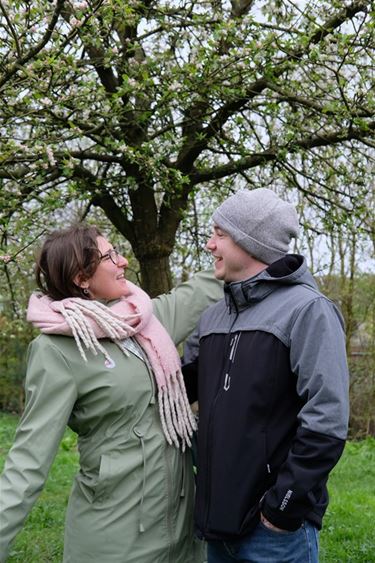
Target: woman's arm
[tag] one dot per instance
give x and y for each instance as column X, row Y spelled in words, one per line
column 50, row 396
column 179, row 310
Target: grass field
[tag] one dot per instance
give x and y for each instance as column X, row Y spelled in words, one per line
column 348, row 535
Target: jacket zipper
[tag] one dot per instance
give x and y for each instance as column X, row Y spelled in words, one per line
column 233, row 349
column 233, row 343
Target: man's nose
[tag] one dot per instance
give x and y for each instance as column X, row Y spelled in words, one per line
column 210, row 244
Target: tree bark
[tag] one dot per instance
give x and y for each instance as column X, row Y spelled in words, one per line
column 156, row 275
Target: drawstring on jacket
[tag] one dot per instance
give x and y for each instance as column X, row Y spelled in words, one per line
column 140, row 436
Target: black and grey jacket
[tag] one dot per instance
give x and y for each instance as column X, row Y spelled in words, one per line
column 273, row 402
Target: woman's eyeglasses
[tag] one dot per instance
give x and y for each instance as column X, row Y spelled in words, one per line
column 112, row 255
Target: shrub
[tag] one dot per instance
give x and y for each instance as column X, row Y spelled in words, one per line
column 15, row 336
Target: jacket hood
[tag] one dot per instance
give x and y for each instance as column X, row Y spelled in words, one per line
column 289, row 270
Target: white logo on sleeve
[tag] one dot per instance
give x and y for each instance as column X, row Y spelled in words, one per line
column 286, row 499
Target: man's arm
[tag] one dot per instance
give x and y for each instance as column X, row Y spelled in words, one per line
column 318, row 359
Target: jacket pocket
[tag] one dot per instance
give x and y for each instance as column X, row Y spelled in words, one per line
column 261, row 477
column 104, row 477
column 117, row 473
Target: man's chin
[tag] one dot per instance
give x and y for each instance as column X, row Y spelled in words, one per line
column 222, row 276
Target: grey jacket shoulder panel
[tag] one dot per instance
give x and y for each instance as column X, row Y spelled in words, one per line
column 318, row 358
column 275, row 314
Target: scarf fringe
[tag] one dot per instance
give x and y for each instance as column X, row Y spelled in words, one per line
column 177, row 419
column 82, row 331
column 111, row 323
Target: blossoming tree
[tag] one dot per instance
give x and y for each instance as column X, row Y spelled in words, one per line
column 135, row 105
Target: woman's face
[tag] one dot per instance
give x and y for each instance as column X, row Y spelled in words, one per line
column 108, row 281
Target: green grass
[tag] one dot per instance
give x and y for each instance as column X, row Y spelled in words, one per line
column 349, row 525
column 348, row 535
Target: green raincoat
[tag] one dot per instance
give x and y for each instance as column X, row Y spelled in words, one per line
column 131, row 501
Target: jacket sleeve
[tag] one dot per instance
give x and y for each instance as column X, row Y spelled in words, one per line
column 180, row 309
column 50, row 396
column 189, row 365
column 318, row 360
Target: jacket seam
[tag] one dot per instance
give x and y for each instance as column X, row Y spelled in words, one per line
column 66, row 362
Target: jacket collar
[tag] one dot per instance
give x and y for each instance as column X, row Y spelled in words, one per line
column 289, row 270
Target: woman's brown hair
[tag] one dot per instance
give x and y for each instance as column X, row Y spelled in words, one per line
column 66, row 254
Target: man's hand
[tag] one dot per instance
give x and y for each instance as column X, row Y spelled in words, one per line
column 268, row 524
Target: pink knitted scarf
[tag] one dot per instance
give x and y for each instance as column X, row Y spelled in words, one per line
column 132, row 315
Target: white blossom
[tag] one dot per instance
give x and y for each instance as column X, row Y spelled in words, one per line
column 81, row 5
column 175, row 86
column 75, row 22
column 50, row 156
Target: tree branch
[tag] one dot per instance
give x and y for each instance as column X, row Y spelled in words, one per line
column 199, row 176
column 193, row 147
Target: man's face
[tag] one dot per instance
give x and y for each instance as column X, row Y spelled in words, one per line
column 232, row 263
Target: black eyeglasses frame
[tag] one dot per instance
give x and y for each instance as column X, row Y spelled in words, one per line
column 113, row 255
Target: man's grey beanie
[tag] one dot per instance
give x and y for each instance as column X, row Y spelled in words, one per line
column 259, row 222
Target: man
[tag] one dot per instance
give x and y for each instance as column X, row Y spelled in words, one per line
column 272, row 390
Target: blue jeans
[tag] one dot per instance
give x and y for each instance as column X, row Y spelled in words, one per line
column 267, row 546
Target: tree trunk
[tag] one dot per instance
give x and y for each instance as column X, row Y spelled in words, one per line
column 156, row 275
column 347, row 284
column 152, row 237
column 349, row 296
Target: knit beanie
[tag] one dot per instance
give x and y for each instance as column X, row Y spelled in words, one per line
column 259, row 222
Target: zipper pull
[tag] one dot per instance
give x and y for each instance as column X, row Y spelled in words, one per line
column 226, row 382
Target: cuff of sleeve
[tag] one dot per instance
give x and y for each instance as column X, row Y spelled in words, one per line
column 280, row 520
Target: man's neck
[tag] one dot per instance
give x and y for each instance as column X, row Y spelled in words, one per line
column 256, row 268
column 253, row 269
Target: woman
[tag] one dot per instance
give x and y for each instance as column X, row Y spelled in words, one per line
column 106, row 366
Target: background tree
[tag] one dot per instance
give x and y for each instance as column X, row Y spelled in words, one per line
column 136, row 105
